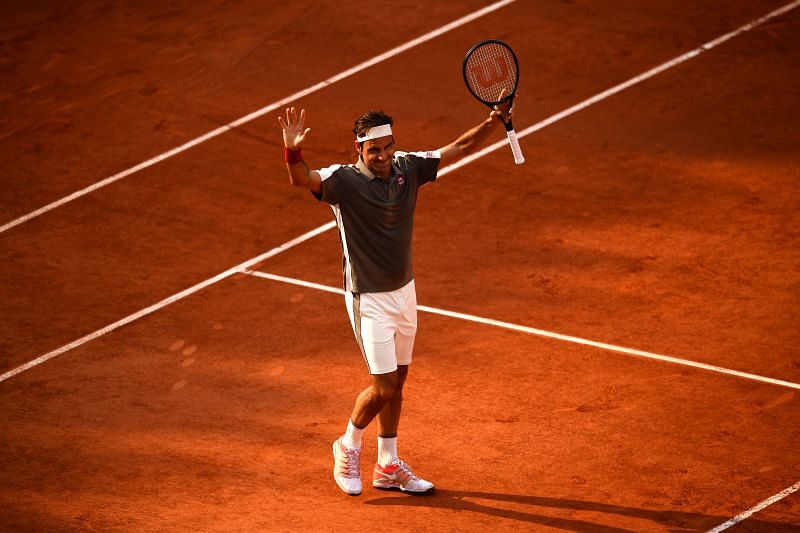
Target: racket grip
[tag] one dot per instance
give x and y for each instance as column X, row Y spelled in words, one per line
column 515, row 149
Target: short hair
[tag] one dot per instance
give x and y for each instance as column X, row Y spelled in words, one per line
column 370, row 119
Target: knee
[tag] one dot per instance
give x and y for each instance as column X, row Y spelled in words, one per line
column 384, row 386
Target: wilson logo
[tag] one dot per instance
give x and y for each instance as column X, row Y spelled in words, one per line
column 490, row 75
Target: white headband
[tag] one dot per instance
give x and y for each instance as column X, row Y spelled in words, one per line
column 373, row 133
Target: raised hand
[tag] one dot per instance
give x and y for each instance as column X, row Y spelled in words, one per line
column 294, row 130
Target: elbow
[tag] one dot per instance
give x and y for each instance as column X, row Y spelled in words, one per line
column 296, row 182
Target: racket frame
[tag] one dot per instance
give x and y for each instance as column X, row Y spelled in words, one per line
column 493, row 104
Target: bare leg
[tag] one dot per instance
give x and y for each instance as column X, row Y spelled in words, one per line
column 389, row 416
column 372, row 400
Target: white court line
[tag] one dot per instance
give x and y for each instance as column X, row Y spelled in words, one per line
column 753, row 510
column 256, row 114
column 331, row 225
column 548, row 334
column 166, row 301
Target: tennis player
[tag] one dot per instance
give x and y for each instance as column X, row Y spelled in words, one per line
column 373, row 202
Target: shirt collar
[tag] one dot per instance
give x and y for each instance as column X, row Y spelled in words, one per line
column 362, row 167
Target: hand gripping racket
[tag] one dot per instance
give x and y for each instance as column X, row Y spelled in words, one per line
column 491, row 72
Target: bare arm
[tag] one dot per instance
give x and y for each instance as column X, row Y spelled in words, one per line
column 294, row 133
column 473, row 139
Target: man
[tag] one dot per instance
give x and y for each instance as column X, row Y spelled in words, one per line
column 373, row 201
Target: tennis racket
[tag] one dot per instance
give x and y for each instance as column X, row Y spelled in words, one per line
column 491, row 72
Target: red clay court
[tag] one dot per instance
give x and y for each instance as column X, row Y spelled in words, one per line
column 608, row 333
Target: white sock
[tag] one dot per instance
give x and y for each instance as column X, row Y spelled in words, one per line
column 352, row 436
column 387, row 450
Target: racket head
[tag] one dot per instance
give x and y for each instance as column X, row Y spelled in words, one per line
column 491, row 67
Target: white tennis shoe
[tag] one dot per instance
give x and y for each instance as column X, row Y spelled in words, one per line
column 347, row 468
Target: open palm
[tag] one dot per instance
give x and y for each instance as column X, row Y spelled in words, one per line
column 294, row 130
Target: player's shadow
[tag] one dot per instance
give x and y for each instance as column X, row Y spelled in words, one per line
column 465, row 501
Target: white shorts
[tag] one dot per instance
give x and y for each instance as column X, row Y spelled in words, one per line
column 385, row 324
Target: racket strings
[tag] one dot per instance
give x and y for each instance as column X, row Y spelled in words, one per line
column 490, row 69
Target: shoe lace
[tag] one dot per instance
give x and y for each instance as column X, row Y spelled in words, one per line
column 402, row 466
column 351, row 463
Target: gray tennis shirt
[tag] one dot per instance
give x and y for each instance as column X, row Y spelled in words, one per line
column 376, row 218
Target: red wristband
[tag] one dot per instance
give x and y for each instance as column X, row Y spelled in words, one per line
column 292, row 156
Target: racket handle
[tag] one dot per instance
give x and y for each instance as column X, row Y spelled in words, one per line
column 515, row 149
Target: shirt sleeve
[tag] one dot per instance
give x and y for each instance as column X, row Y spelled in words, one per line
column 426, row 163
column 330, row 185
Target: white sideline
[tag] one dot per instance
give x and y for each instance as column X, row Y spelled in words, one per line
column 548, row 334
column 256, row 114
column 756, row 508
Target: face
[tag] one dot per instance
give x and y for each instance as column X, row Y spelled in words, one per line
column 377, row 155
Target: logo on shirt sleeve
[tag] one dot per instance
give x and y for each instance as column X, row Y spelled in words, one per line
column 401, row 179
